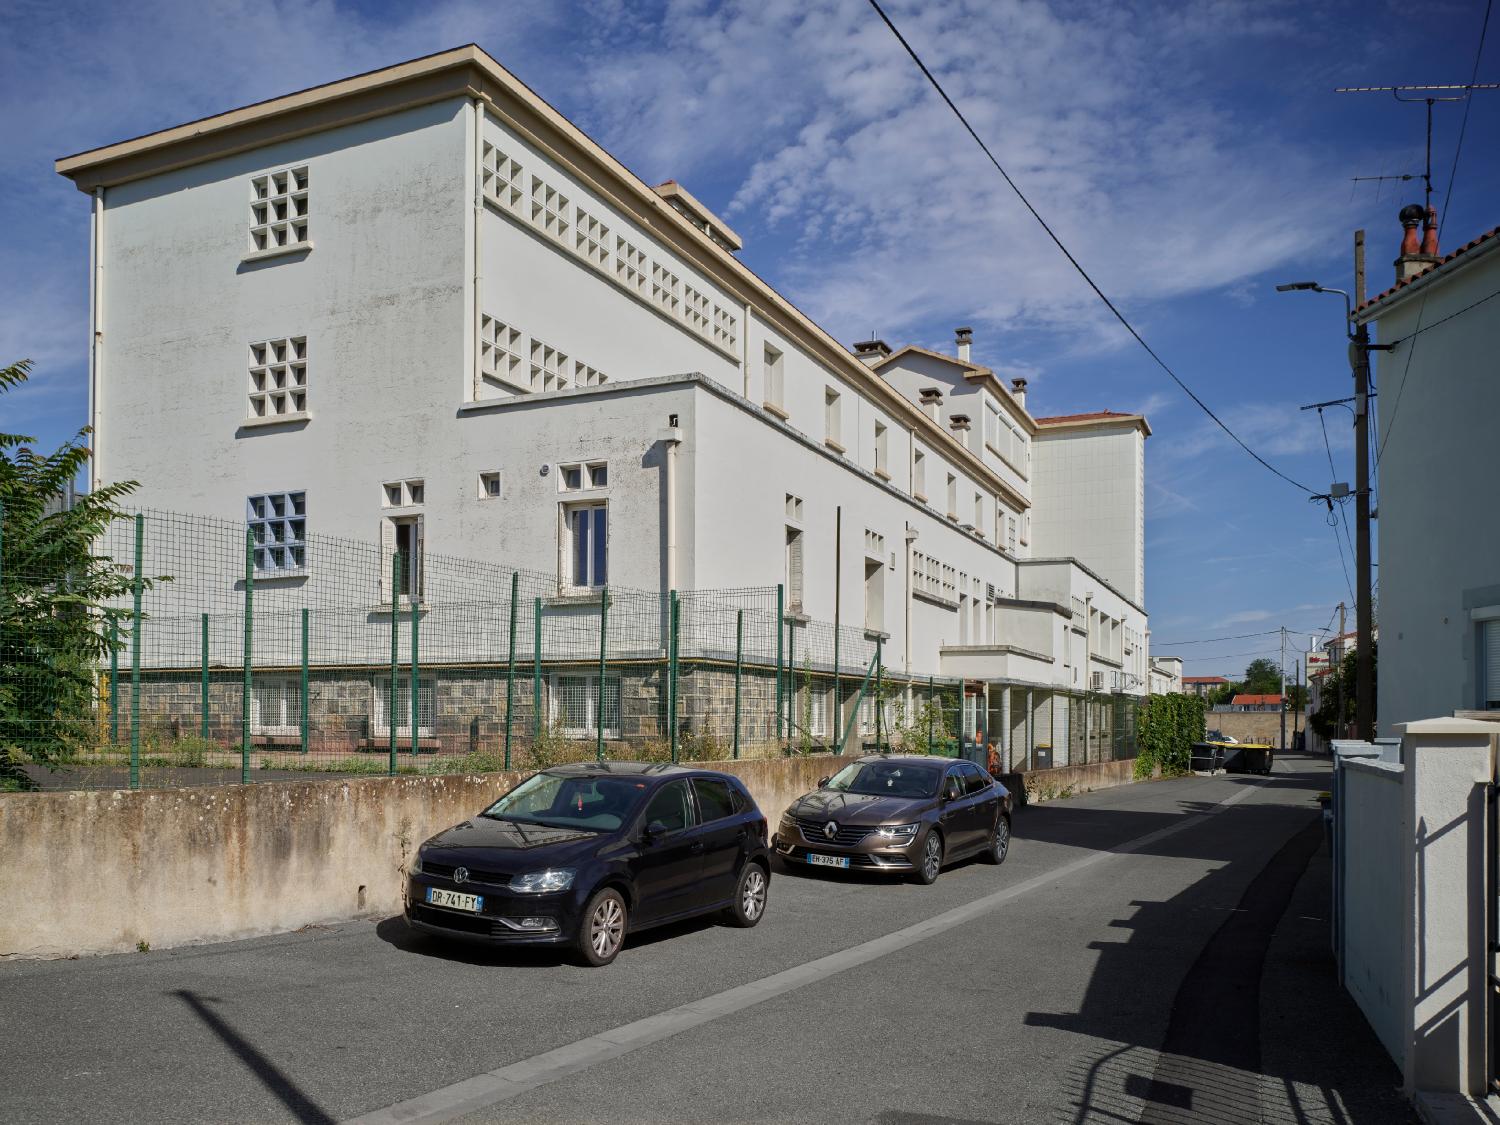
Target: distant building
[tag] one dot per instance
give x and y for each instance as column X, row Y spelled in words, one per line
column 1166, row 675
column 1256, row 703
column 1203, row 685
column 1439, row 558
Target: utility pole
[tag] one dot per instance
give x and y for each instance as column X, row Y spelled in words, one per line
column 1364, row 675
column 1297, row 692
column 1338, row 655
column 1283, row 689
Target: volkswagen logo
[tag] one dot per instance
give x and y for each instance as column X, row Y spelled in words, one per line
column 460, row 874
column 831, row 829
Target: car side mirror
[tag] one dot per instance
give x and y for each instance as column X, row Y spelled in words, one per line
column 823, row 781
column 654, row 832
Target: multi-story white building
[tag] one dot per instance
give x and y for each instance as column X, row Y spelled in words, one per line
column 420, row 307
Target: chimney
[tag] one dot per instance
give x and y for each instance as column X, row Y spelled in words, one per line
column 963, row 337
column 871, row 352
column 1416, row 256
column 1018, row 392
column 959, row 424
column 932, row 403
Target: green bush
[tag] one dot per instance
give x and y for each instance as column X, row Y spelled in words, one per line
column 1166, row 726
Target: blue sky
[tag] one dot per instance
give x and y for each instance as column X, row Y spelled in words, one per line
column 1192, row 154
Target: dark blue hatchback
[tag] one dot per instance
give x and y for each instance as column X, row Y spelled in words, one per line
column 583, row 855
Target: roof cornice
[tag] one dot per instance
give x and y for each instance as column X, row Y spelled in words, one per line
column 470, row 72
column 1130, row 421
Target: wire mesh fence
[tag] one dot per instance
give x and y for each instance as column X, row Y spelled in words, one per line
column 240, row 654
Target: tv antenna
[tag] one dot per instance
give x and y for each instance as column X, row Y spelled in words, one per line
column 1430, row 96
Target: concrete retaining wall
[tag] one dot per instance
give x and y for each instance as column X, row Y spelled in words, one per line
column 1252, row 726
column 100, row 872
column 1043, row 785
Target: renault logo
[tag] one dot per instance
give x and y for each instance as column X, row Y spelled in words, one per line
column 831, row 829
column 460, row 874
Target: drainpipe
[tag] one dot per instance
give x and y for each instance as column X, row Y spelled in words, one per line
column 477, row 312
column 745, row 349
column 911, row 537
column 96, row 322
column 671, row 438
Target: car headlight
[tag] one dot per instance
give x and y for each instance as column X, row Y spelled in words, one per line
column 416, row 865
column 543, row 882
column 897, row 833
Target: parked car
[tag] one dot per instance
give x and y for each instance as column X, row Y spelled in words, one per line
column 584, row 855
column 898, row 814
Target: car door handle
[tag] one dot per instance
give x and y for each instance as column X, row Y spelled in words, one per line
column 695, row 848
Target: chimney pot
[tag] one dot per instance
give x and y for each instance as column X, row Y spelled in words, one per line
column 1430, row 234
column 932, row 402
column 963, row 337
column 871, row 352
column 1415, row 254
column 1018, row 391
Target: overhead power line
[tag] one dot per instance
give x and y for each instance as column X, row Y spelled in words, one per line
column 1083, row 273
column 1235, row 637
column 1343, row 512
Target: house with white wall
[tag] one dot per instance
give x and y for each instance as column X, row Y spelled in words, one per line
column 420, row 308
column 1435, row 452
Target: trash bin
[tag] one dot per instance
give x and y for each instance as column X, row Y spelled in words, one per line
column 1041, row 757
column 1254, row 759
column 1206, row 757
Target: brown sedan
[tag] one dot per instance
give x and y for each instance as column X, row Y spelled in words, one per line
column 902, row 814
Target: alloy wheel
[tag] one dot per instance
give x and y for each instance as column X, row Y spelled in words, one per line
column 1002, row 839
column 753, row 898
column 932, row 856
column 607, row 928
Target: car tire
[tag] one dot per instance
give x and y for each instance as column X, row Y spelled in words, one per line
column 602, row 928
column 930, row 863
column 749, row 905
column 999, row 845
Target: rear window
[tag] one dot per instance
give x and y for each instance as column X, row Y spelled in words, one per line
column 715, row 800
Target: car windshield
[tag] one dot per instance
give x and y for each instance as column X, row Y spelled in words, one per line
column 593, row 804
column 888, row 779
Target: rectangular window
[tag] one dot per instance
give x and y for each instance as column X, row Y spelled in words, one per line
column 952, row 497
column 278, row 527
column 575, row 478
column 1490, row 646
column 276, row 705
column 402, row 493
column 979, row 513
column 490, row 485
column 500, row 355
column 874, row 595
column 408, row 552
column 279, row 209
column 1010, row 532
column 587, row 529
column 880, row 451
column 380, row 720
column 919, row 475
column 503, row 180
column 794, row 569
column 833, row 421
column 278, row 377
column 793, row 507
column 575, row 705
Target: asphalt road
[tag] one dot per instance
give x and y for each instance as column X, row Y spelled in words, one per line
column 1151, row 953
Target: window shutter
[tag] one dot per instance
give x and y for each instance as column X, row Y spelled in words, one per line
column 419, row 559
column 794, row 565
column 387, row 553
column 1492, row 663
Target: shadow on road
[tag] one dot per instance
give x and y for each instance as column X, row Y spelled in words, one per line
column 272, row 1077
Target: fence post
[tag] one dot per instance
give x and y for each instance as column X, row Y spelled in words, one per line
column 510, row 663
column 114, row 679
column 536, row 670
column 247, row 657
column 305, row 692
column 672, row 674
column 603, row 648
column 203, row 684
column 135, row 657
column 395, row 655
column 879, row 684
column 739, row 662
column 791, row 675
column 780, row 629
column 416, row 693
column 931, row 690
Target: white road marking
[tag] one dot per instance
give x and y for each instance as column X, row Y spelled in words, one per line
column 448, row 1102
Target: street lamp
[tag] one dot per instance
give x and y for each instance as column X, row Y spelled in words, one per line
column 1359, row 359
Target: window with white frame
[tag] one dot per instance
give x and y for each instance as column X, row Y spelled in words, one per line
column 773, row 375
column 586, row 544
column 919, row 475
column 279, row 209
column 276, row 705
column 582, row 475
column 491, row 485
column 278, row 530
column 833, row 417
column 278, row 377
column 402, row 551
column 1010, row 532
column 814, row 705
column 881, row 451
column 575, row 704
column 793, row 507
column 503, row 180
column 380, row 717
column 402, row 493
column 794, row 569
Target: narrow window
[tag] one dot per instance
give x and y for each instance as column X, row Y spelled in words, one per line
column 979, row 513
column 833, row 425
column 874, row 595
column 1010, row 532
column 919, row 475
column 794, row 568
column 880, row 451
column 773, row 376
column 1490, row 642
column 952, row 497
column 587, row 529
column 409, row 554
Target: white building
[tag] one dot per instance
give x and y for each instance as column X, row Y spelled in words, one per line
column 1166, row 675
column 420, row 307
column 1439, row 554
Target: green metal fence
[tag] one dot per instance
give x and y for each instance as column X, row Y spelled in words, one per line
column 359, row 659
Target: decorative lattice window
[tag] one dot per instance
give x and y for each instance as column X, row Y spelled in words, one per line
column 666, row 290
column 549, row 367
column 279, row 209
column 591, row 238
column 502, row 354
column 874, row 545
column 549, row 209
column 278, row 531
column 278, row 377
column 695, row 309
column 630, row 265
column 586, row 376
column 726, row 328
column 503, row 180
